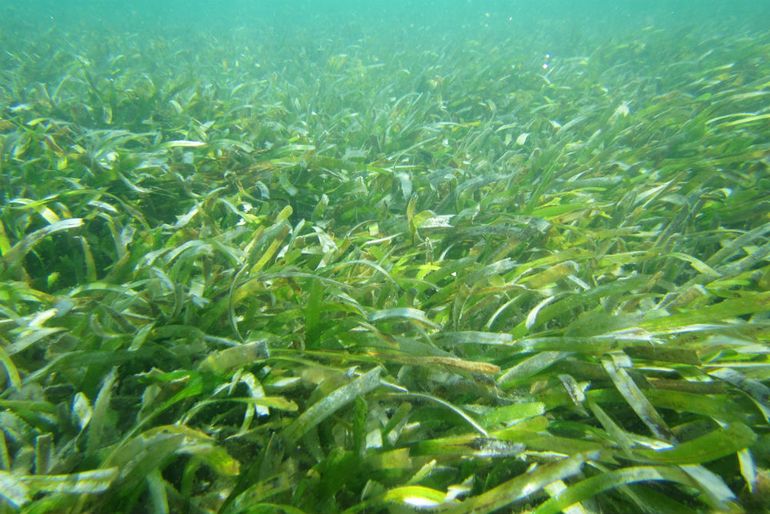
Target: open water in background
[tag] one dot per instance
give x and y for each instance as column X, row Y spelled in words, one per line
column 561, row 22
column 316, row 29
column 289, row 38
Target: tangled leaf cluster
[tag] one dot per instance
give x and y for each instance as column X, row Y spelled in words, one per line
column 328, row 275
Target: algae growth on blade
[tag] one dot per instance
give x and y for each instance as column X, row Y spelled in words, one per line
column 328, row 256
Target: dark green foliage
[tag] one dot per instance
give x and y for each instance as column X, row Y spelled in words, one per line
column 240, row 277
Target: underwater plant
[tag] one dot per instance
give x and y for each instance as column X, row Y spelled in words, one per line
column 384, row 272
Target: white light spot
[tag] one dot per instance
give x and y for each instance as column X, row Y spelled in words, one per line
column 417, row 501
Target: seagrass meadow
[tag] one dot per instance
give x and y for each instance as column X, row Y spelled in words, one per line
column 316, row 257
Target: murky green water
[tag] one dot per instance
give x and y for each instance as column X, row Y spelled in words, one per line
column 448, row 18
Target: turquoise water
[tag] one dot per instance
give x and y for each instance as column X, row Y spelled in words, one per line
column 312, row 29
column 340, row 18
